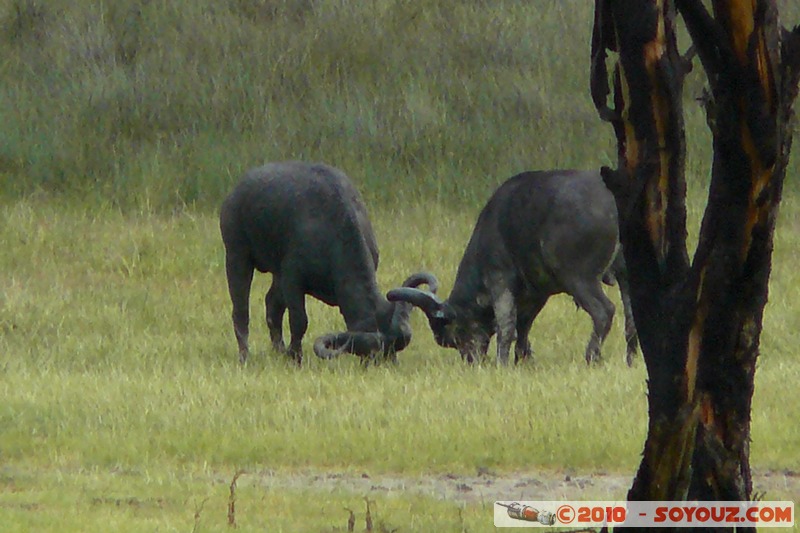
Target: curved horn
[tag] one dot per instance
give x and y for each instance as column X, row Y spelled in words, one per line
column 327, row 347
column 357, row 342
column 423, row 299
column 415, row 280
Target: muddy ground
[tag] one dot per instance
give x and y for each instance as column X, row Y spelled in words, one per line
column 488, row 486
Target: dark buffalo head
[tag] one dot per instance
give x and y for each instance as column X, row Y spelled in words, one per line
column 393, row 323
column 464, row 328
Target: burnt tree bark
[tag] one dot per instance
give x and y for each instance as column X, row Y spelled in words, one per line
column 699, row 320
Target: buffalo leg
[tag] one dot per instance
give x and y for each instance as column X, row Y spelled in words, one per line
column 240, row 277
column 522, row 349
column 631, row 335
column 298, row 320
column 590, row 298
column 505, row 313
column 483, row 347
column 477, row 350
column 525, row 318
column 275, row 307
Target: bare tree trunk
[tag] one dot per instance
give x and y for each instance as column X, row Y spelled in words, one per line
column 699, row 322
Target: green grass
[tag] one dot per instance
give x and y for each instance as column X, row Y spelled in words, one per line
column 125, row 124
column 163, row 104
column 121, row 308
column 120, row 380
column 150, row 500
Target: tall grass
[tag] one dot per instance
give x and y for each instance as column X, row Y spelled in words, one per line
column 124, row 405
column 125, row 123
column 159, row 104
column 117, row 348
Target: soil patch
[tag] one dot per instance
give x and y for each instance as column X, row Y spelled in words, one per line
column 488, row 486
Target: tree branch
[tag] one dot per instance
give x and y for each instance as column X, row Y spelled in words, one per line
column 760, row 87
column 790, row 62
column 708, row 37
column 685, row 62
column 602, row 40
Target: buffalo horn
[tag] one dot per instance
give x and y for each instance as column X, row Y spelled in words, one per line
column 360, row 343
column 422, row 299
column 415, row 280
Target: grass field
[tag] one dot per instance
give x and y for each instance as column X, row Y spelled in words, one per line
column 120, row 382
column 123, row 404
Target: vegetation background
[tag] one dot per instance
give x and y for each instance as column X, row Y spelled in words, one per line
column 125, row 123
